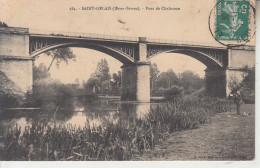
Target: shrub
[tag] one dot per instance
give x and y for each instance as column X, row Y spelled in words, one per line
column 248, row 95
column 159, row 92
column 8, row 100
column 173, row 93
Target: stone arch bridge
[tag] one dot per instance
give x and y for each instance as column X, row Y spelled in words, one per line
column 20, row 46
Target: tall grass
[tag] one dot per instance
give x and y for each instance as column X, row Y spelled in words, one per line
column 111, row 141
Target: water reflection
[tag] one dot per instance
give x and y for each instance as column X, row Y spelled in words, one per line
column 77, row 112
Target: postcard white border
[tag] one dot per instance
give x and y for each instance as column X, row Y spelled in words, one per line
column 158, row 164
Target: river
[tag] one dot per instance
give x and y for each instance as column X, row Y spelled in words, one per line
column 76, row 111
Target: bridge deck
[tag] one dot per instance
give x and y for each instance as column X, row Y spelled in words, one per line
column 114, row 38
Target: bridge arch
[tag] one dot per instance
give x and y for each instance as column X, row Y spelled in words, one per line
column 206, row 59
column 120, row 56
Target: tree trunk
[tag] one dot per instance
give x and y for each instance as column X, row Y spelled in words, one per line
column 51, row 63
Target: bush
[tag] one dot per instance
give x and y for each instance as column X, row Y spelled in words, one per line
column 8, row 100
column 49, row 92
column 248, row 95
column 173, row 93
column 159, row 92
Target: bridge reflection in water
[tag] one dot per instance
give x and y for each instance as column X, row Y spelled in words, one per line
column 78, row 113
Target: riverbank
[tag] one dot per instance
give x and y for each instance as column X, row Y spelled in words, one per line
column 103, row 134
column 227, row 137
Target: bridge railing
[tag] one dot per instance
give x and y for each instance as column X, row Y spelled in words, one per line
column 180, row 42
column 118, row 38
column 14, row 30
column 82, row 35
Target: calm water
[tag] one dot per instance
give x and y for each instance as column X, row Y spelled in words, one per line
column 77, row 112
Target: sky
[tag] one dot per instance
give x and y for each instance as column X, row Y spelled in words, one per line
column 190, row 23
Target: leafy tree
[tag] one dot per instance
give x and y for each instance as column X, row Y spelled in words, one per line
column 102, row 71
column 106, row 87
column 40, row 72
column 190, row 81
column 117, row 78
column 98, row 82
column 249, row 80
column 167, row 79
column 3, row 24
column 246, row 86
column 234, row 84
column 154, row 72
column 116, row 83
column 60, row 54
column 173, row 93
column 91, row 86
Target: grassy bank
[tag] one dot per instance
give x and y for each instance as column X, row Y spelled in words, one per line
column 119, row 141
column 228, row 137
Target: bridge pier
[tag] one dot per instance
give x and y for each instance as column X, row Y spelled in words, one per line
column 15, row 61
column 218, row 82
column 136, row 82
column 240, row 60
column 18, row 72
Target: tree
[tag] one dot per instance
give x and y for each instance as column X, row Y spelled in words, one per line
column 245, row 84
column 173, row 93
column 249, row 79
column 40, row 72
column 102, row 71
column 154, row 72
column 116, row 83
column 3, row 24
column 117, row 78
column 106, row 87
column 60, row 54
column 190, row 81
column 91, row 86
column 99, row 79
column 167, row 79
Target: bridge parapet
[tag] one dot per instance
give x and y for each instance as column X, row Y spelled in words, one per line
column 14, row 30
column 37, row 32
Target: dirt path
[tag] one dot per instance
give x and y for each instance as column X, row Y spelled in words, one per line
column 228, row 137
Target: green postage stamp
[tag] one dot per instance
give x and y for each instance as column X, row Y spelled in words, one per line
column 232, row 20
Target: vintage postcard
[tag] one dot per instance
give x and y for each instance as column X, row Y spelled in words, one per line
column 127, row 80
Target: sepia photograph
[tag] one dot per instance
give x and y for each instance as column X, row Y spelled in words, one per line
column 127, row 80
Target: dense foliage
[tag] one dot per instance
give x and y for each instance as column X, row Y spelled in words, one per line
column 246, row 86
column 101, row 81
column 3, row 24
column 164, row 83
column 60, row 55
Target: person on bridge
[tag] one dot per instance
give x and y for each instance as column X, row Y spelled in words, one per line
column 238, row 101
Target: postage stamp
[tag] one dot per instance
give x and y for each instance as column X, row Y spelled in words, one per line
column 232, row 20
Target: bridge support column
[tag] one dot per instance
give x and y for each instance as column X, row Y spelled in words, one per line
column 15, row 63
column 240, row 60
column 136, row 82
column 18, row 74
column 220, row 82
column 216, row 83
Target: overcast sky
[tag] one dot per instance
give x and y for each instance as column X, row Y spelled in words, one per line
column 190, row 23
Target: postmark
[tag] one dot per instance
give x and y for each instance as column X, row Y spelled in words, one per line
column 232, row 22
